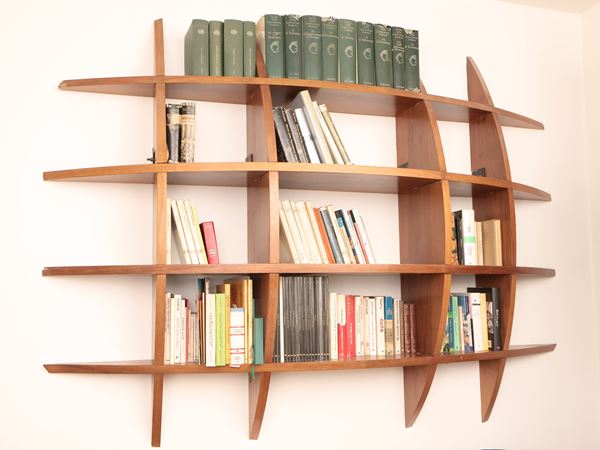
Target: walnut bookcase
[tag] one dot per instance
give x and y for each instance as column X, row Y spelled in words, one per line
column 424, row 190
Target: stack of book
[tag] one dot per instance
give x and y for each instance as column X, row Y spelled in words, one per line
column 323, row 235
column 476, row 243
column 314, row 325
column 197, row 241
column 325, row 48
column 306, row 133
column 473, row 321
column 220, row 48
column 217, row 328
column 181, row 131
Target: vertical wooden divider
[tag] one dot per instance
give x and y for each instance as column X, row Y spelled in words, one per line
column 488, row 151
column 160, row 221
column 263, row 233
column 425, row 234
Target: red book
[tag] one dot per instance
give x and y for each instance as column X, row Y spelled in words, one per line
column 341, row 341
column 350, row 327
column 210, row 242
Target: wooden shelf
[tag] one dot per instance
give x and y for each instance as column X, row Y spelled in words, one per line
column 148, row 367
column 339, row 97
column 462, row 185
column 340, row 269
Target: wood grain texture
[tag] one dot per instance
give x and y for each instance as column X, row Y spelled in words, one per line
column 161, row 152
column 462, row 185
column 417, row 382
column 490, row 378
column 159, row 48
column 263, row 220
column 157, row 401
column 260, row 128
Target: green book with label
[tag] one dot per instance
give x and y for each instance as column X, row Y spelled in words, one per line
column 233, row 48
column 215, row 40
column 329, row 48
column 398, row 57
column 249, row 49
column 258, row 341
column 269, row 34
column 196, row 48
column 383, row 55
column 312, row 65
column 292, row 29
column 411, row 60
column 347, row 50
column 220, row 305
column 364, row 53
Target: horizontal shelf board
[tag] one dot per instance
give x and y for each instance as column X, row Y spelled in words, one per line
column 366, row 362
column 339, row 97
column 462, row 185
column 341, row 269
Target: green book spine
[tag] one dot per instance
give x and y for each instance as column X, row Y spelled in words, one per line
column 259, row 348
column 215, row 40
column 249, row 49
column 269, row 32
column 196, row 48
column 233, row 48
column 398, row 45
column 457, row 331
column 347, row 50
column 312, row 66
column 383, row 55
column 329, row 48
column 364, row 53
column 293, row 46
column 412, row 60
column 221, row 332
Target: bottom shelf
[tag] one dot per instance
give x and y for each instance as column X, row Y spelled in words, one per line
column 367, row 362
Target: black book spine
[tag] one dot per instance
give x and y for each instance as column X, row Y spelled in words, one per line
column 297, row 138
column 459, row 240
column 283, row 134
column 337, row 253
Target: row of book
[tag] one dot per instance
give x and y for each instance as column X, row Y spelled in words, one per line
column 323, row 235
column 197, row 241
column 218, row 327
column 325, row 48
column 215, row 48
column 476, row 243
column 316, row 325
column 473, row 322
column 181, row 131
column 306, row 133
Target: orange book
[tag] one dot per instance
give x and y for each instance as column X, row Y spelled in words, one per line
column 324, row 236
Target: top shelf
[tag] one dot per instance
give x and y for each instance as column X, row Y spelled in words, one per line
column 339, row 97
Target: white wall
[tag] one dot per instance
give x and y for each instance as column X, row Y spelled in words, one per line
column 532, row 61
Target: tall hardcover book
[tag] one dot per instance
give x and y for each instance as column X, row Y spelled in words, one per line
column 312, row 65
column 270, row 38
column 196, row 49
column 347, row 50
column 383, row 55
column 365, row 51
column 249, row 49
column 389, row 326
column 215, row 41
column 329, row 50
column 398, row 67
column 210, row 241
column 293, row 46
column 233, row 48
column 411, row 58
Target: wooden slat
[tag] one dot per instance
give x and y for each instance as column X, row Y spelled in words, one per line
column 159, row 48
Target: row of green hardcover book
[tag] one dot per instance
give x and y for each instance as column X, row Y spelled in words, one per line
column 342, row 50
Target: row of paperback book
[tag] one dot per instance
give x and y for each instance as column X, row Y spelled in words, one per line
column 216, row 328
column 215, row 48
column 476, row 243
column 323, row 235
column 314, row 324
column 473, row 322
column 306, row 133
column 181, row 131
column 325, row 48
column 197, row 241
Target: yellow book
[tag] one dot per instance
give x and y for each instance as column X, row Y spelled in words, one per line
column 226, row 289
column 484, row 321
column 239, row 297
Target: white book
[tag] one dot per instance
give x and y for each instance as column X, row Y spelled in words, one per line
column 333, row 343
column 475, row 307
column 358, row 325
column 309, row 142
column 167, row 348
column 303, row 100
column 397, row 328
column 211, row 331
column 355, row 243
column 306, row 228
column 335, row 153
column 187, row 232
column 469, row 237
column 168, row 232
column 484, row 321
column 373, row 327
column 203, row 257
column 174, row 331
column 358, row 220
column 338, row 234
column 335, row 134
column 194, row 231
column 288, row 237
column 365, row 326
column 182, row 329
column 295, row 230
column 180, row 234
column 237, row 337
column 316, row 232
column 380, row 320
column 341, row 317
column 479, row 238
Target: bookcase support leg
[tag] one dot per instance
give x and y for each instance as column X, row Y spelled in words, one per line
column 417, row 381
column 258, row 392
column 490, row 377
column 157, row 398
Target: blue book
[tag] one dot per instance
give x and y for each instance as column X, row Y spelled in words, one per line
column 388, row 315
